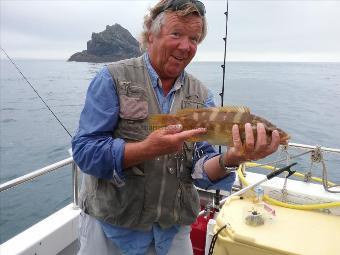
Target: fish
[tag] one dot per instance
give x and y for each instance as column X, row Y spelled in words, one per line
column 218, row 122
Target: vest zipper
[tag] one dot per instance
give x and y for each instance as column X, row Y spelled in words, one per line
column 172, row 103
column 177, row 205
column 161, row 194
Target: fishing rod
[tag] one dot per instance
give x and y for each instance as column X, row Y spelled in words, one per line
column 221, row 94
column 224, row 57
column 36, row 92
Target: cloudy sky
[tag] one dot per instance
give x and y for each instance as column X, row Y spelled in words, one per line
column 271, row 30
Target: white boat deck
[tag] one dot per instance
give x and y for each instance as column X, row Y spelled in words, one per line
column 57, row 234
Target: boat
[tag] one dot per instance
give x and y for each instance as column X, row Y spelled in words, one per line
column 295, row 215
column 280, row 215
column 57, row 234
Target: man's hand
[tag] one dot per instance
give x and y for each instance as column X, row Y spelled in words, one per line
column 169, row 139
column 251, row 150
column 160, row 142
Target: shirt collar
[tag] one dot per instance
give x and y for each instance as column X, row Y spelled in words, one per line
column 155, row 77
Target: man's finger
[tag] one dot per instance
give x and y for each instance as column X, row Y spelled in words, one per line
column 172, row 129
column 261, row 134
column 249, row 143
column 274, row 145
column 184, row 135
column 236, row 138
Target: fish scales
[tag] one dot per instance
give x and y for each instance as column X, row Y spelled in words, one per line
column 218, row 123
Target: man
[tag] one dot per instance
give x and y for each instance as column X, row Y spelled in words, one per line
column 138, row 195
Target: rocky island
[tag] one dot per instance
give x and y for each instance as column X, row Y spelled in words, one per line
column 112, row 44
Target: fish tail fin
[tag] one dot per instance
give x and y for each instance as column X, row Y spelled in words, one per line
column 157, row 121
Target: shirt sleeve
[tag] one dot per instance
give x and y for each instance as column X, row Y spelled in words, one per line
column 94, row 149
column 203, row 152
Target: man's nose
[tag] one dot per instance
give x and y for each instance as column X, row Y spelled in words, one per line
column 184, row 44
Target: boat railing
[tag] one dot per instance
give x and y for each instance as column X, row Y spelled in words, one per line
column 46, row 170
column 75, row 170
column 305, row 146
column 319, row 156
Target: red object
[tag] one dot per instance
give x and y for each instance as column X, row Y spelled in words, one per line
column 198, row 233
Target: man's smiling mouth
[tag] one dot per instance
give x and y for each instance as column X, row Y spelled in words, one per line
column 178, row 58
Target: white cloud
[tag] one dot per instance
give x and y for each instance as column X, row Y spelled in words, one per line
column 258, row 30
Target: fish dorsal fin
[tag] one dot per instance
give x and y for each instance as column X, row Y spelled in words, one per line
column 187, row 111
column 234, row 108
column 229, row 108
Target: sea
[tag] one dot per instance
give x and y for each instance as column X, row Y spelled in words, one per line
column 301, row 98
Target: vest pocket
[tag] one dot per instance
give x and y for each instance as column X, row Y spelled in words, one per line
column 186, row 204
column 191, row 103
column 133, row 102
column 121, row 206
column 132, row 108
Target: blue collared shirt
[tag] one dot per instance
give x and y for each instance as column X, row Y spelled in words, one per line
column 100, row 155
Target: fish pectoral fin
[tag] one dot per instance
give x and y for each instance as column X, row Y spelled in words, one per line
column 194, row 139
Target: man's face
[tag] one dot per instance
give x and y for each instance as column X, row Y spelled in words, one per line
column 175, row 46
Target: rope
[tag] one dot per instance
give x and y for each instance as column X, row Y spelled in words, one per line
column 316, row 157
column 326, row 184
column 287, row 205
column 297, row 174
column 277, row 161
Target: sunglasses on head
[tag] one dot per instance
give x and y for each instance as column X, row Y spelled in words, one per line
column 176, row 5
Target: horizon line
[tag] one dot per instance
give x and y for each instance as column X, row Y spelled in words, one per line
column 193, row 61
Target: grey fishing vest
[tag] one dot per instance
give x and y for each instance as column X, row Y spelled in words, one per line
column 159, row 190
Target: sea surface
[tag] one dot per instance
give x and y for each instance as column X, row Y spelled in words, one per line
column 301, row 98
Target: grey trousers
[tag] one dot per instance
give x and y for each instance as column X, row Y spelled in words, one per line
column 92, row 240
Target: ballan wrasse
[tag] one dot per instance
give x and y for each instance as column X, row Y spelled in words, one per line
column 218, row 123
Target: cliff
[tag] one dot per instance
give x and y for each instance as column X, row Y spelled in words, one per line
column 112, row 44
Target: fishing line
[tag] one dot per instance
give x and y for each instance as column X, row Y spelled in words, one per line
column 18, row 69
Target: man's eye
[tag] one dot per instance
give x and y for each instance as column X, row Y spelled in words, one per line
column 175, row 34
column 194, row 40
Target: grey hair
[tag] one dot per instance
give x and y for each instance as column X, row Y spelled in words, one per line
column 155, row 19
column 157, row 24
